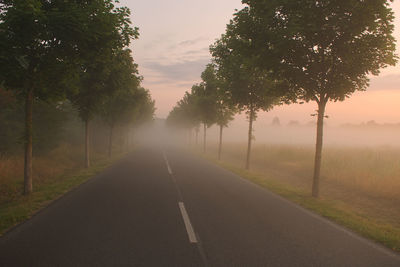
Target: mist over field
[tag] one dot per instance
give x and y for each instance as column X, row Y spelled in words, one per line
column 300, row 134
column 369, row 134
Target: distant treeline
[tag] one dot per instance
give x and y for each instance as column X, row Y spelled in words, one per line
column 372, row 125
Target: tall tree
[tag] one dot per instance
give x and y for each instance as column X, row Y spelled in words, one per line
column 107, row 32
column 225, row 114
column 326, row 49
column 225, row 110
column 185, row 113
column 121, row 85
column 145, row 108
column 34, row 57
column 205, row 94
column 248, row 87
column 142, row 109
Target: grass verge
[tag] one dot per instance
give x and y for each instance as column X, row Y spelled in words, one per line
column 369, row 227
column 23, row 208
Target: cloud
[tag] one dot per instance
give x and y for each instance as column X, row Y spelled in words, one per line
column 388, row 82
column 188, row 70
column 193, row 41
column 187, row 85
column 204, row 50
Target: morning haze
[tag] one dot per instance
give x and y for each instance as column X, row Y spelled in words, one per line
column 173, row 50
column 199, row 133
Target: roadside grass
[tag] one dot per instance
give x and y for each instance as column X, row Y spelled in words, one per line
column 374, row 170
column 62, row 178
column 369, row 210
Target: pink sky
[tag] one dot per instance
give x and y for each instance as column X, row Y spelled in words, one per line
column 173, row 50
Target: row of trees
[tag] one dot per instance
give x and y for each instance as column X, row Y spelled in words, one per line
column 284, row 51
column 56, row 51
column 206, row 104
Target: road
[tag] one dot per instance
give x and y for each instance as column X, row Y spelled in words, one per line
column 166, row 207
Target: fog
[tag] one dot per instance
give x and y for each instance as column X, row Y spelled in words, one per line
column 344, row 135
column 293, row 133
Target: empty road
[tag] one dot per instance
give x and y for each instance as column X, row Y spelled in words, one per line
column 166, row 207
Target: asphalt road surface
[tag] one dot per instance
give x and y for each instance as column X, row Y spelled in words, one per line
column 165, row 207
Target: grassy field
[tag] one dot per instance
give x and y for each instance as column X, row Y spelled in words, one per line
column 54, row 174
column 360, row 187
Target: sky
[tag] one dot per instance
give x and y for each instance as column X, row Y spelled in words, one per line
column 172, row 51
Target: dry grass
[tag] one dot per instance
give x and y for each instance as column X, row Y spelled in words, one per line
column 365, row 180
column 46, row 169
column 360, row 187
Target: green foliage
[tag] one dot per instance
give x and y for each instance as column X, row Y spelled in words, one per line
column 99, row 48
column 224, row 108
column 185, row 114
column 125, row 102
column 51, row 121
column 145, row 107
column 246, row 86
column 30, row 58
column 206, row 103
column 325, row 49
column 11, row 122
column 120, row 86
column 50, row 125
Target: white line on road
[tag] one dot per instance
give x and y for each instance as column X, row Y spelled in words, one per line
column 166, row 161
column 188, row 225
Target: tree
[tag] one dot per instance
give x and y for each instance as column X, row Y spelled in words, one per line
column 225, row 114
column 248, row 87
column 225, row 111
column 144, row 109
column 185, row 113
column 34, row 57
column 276, row 122
column 107, row 32
column 121, row 85
column 205, row 94
column 325, row 49
column 41, row 44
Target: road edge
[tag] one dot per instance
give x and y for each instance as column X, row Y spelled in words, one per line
column 310, row 206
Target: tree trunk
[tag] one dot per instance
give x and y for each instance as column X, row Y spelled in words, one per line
column 87, row 145
column 197, row 136
column 250, row 137
column 28, row 143
column 131, row 139
column 128, row 139
column 110, row 141
column 205, row 139
column 190, row 137
column 121, row 141
column 221, row 128
column 318, row 150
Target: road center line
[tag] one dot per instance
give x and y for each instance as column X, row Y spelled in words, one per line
column 188, row 225
column 166, row 162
